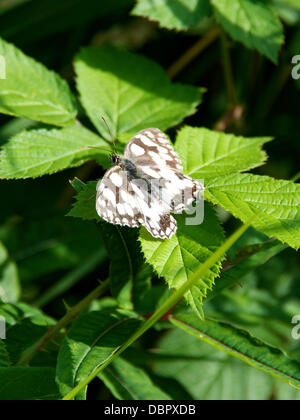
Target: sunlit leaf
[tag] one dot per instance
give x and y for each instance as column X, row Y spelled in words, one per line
column 130, row 91
column 31, row 90
column 173, row 14
column 254, row 23
column 178, row 258
column 38, row 152
column 272, row 204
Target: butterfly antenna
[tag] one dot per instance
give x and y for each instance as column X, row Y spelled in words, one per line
column 110, row 133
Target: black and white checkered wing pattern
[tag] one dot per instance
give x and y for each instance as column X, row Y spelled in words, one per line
column 155, row 158
column 146, row 186
column 114, row 202
column 129, row 203
column 151, row 148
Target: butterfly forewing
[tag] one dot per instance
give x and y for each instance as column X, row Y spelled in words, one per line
column 151, row 147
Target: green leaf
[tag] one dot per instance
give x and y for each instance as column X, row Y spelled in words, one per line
column 173, row 14
column 38, row 152
column 130, row 91
column 129, row 276
column 128, row 382
column 247, row 259
column 25, row 325
column 36, row 21
column 259, row 313
column 32, row 91
column 85, row 204
column 91, row 340
column 272, row 204
column 4, row 356
column 287, row 10
column 20, row 384
column 178, row 258
column 49, row 245
column 208, row 154
column 252, row 22
column 238, row 343
column 207, row 373
column 10, row 288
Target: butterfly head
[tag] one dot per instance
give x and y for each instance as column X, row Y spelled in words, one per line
column 115, row 159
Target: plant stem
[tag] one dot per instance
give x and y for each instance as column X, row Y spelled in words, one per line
column 193, row 52
column 71, row 278
column 232, row 97
column 296, row 177
column 71, row 314
column 170, row 303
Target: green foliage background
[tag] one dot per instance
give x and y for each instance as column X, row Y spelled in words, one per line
column 216, row 76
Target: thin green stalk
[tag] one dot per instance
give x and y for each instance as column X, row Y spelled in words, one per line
column 170, row 303
column 193, row 52
column 296, row 177
column 232, row 97
column 71, row 314
column 71, row 278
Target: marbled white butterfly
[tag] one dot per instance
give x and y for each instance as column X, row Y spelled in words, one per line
column 145, row 185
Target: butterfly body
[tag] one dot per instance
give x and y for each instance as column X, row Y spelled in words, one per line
column 145, row 185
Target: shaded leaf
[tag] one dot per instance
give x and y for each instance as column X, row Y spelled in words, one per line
column 207, row 373
column 129, row 275
column 173, row 14
column 25, row 325
column 10, row 289
column 4, row 356
column 248, row 258
column 42, row 247
column 238, row 343
column 19, row 384
column 90, row 341
column 85, row 204
column 178, row 258
column 38, row 152
column 38, row 19
column 31, row 90
column 254, row 23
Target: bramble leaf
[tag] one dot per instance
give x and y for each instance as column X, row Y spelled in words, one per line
column 131, row 92
column 90, row 341
column 28, row 383
column 128, row 382
column 272, row 204
column 85, row 204
column 25, row 325
column 207, row 154
column 31, row 90
column 238, row 343
column 178, row 258
column 129, row 275
column 38, row 152
column 4, row 356
column 173, row 14
column 254, row 23
column 182, row 364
